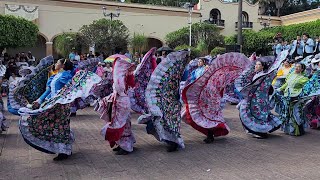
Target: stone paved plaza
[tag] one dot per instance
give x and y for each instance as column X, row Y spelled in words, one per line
column 236, row 156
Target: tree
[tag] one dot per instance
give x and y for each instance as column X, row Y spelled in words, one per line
column 139, row 42
column 68, row 42
column 106, row 35
column 16, row 32
column 208, row 33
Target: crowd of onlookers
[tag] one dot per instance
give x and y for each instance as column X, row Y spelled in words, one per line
column 14, row 63
column 304, row 46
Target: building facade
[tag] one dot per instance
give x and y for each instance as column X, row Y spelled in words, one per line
column 57, row 16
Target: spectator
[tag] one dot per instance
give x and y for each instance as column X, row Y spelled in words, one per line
column 136, row 59
column 13, row 78
column 308, row 45
column 77, row 57
column 108, row 68
column 317, row 47
column 31, row 59
column 296, row 48
column 128, row 54
column 72, row 55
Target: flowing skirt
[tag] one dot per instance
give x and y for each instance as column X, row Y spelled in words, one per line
column 49, row 131
column 115, row 110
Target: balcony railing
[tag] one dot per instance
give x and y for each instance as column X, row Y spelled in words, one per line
column 248, row 25
column 217, row 22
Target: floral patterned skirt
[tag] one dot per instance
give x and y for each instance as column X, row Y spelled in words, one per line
column 312, row 112
column 49, row 131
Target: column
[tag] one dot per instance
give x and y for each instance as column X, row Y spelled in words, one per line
column 49, row 48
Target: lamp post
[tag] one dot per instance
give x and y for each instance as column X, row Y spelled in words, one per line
column 265, row 23
column 111, row 14
column 189, row 6
column 240, row 22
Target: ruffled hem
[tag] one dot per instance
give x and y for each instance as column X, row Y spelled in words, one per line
column 204, row 97
column 155, row 128
column 273, row 123
column 80, row 89
column 15, row 86
column 42, row 145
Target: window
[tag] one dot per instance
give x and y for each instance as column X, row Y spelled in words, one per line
column 215, row 14
column 245, row 16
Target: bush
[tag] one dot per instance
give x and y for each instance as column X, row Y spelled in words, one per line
column 139, row 42
column 68, row 42
column 194, row 51
column 17, row 32
column 217, row 50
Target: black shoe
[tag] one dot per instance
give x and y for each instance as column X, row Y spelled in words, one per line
column 172, row 147
column 61, row 157
column 122, row 152
column 73, row 114
column 210, row 137
column 208, row 140
column 117, row 149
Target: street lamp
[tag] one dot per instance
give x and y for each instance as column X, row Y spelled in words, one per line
column 111, row 14
column 189, row 6
column 263, row 22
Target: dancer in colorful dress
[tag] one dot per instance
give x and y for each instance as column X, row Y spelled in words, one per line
column 282, row 74
column 115, row 109
column 289, row 105
column 46, row 127
column 163, row 100
column 142, row 77
column 89, row 65
column 255, row 86
column 3, row 125
column 203, row 97
column 30, row 86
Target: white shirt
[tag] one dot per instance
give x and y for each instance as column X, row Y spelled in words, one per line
column 77, row 58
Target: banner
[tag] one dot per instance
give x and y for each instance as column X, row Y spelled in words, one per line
column 30, row 13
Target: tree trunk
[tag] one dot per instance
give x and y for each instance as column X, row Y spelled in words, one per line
column 278, row 13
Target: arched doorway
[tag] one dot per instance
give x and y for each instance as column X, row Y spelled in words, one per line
column 38, row 50
column 153, row 42
column 79, row 48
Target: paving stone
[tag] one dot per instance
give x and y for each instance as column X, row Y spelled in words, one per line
column 236, row 156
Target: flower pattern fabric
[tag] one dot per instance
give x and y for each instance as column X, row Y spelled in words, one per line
column 30, row 87
column 142, row 77
column 204, row 96
column 115, row 109
column 255, row 108
column 163, row 99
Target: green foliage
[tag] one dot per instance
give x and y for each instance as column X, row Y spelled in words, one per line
column 290, row 32
column 217, row 50
column 203, row 47
column 201, row 32
column 230, row 40
column 106, row 35
column 139, row 42
column 17, row 32
column 257, row 42
column 194, row 51
column 67, row 42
